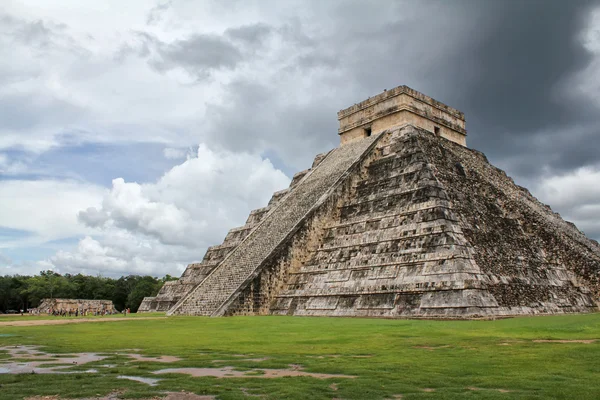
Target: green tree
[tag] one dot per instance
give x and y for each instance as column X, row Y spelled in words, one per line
column 146, row 286
column 21, row 292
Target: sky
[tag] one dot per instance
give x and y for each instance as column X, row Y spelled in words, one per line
column 133, row 135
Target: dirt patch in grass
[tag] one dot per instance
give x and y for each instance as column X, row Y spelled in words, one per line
column 229, row 372
column 70, row 321
column 326, row 356
column 498, row 390
column 430, row 348
column 584, row 341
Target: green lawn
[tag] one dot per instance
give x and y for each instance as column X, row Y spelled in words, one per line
column 27, row 317
column 414, row 359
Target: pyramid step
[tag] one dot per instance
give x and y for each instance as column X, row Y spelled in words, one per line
column 216, row 292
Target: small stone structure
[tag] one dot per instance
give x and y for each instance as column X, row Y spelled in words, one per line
column 71, row 305
column 401, row 106
column 402, row 220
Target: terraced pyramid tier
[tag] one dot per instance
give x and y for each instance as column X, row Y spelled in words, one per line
column 431, row 229
column 173, row 291
column 416, row 226
column 222, row 286
column 400, row 224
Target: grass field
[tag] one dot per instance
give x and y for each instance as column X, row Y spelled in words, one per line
column 44, row 317
column 504, row 359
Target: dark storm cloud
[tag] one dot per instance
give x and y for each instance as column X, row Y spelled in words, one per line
column 252, row 35
column 506, row 64
column 254, row 117
column 517, row 95
column 32, row 33
column 197, row 54
column 41, row 37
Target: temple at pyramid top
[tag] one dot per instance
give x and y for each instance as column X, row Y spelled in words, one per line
column 399, row 106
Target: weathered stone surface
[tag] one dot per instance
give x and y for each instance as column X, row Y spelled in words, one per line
column 173, row 291
column 433, row 230
column 425, row 228
column 404, row 222
column 222, row 286
column 72, row 305
column 399, row 106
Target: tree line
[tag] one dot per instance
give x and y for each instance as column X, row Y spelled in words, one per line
column 18, row 292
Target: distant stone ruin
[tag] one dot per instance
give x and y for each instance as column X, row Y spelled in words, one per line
column 83, row 307
column 402, row 220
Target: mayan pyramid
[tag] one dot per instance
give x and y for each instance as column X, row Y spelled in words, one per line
column 402, row 220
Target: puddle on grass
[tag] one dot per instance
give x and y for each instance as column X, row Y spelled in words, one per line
column 242, row 359
column 34, row 368
column 40, row 362
column 30, row 359
column 148, row 381
column 117, row 395
column 161, row 359
column 229, row 372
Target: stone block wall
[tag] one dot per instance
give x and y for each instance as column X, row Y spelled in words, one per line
column 398, row 106
column 225, row 283
column 407, row 245
column 534, row 259
column 71, row 305
column 172, row 292
column 401, row 224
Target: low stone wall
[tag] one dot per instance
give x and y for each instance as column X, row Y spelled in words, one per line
column 81, row 306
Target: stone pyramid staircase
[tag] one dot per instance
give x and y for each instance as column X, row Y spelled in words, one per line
column 173, row 291
column 253, row 244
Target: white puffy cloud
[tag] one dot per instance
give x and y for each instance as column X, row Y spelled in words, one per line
column 121, row 253
column 160, row 227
